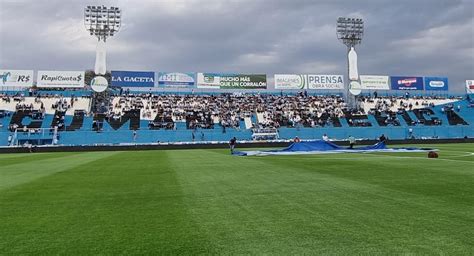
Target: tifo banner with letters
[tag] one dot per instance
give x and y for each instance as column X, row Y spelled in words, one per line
column 16, row 78
column 231, row 81
column 436, row 83
column 290, row 81
column 325, row 82
column 166, row 79
column 60, row 79
column 406, row 82
column 469, row 86
column 374, row 82
column 133, row 78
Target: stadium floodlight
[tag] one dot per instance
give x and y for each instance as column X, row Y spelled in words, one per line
column 102, row 22
column 349, row 32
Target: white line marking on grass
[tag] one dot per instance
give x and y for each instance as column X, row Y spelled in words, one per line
column 379, row 156
column 431, row 159
column 466, row 155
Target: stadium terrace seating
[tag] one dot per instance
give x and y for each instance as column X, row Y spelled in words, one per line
column 117, row 121
column 408, row 120
column 77, row 121
column 18, row 120
column 421, row 114
column 4, row 113
column 47, row 103
column 58, row 120
column 386, row 118
column 454, row 119
column 356, row 118
column 183, row 117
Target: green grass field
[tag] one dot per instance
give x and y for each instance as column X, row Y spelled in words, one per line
column 208, row 202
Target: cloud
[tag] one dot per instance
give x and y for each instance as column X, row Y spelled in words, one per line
column 413, row 37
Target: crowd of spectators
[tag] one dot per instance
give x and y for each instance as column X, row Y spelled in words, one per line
column 60, row 104
column 228, row 110
column 231, row 109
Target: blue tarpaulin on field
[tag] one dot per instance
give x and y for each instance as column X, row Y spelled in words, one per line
column 321, row 146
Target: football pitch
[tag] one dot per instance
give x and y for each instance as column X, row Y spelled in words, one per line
column 209, row 202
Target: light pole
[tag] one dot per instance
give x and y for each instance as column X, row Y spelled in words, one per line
column 349, row 32
column 102, row 22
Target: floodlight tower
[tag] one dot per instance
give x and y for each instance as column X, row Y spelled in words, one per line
column 349, row 32
column 102, row 22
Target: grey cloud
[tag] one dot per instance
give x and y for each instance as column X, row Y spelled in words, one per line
column 260, row 36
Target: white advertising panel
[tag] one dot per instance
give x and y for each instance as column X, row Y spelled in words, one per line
column 210, row 81
column 16, row 78
column 60, row 79
column 326, row 82
column 289, row 81
column 374, row 82
column 469, row 86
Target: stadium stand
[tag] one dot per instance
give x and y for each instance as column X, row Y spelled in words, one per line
column 163, row 117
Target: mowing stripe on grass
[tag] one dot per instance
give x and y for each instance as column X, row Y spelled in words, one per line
column 26, row 171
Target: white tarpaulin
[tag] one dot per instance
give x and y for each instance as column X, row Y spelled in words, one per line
column 353, row 70
column 100, row 58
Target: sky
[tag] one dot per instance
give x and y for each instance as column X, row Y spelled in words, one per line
column 403, row 37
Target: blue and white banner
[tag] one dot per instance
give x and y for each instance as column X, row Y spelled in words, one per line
column 133, row 78
column 406, row 83
column 16, row 78
column 436, row 83
column 186, row 80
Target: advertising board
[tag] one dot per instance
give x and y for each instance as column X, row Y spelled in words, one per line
column 290, row 81
column 325, row 82
column 16, row 78
column 231, row 81
column 175, row 79
column 60, row 79
column 406, row 82
column 369, row 82
column 436, row 83
column 133, row 78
